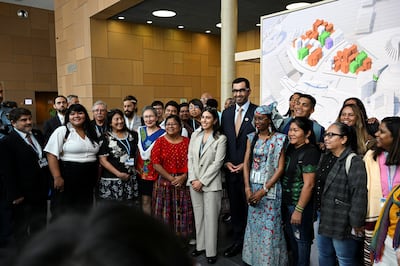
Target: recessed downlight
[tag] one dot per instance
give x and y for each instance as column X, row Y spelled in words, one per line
column 181, row 27
column 121, row 17
column 149, row 22
column 218, row 25
column 207, row 31
column 258, row 24
column 297, row 5
column 164, row 13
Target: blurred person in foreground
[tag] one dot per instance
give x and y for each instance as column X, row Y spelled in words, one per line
column 108, row 235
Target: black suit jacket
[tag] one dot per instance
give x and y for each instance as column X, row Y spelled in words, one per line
column 236, row 146
column 51, row 125
column 21, row 174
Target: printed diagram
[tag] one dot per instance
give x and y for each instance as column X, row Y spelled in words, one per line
column 321, row 40
column 334, row 55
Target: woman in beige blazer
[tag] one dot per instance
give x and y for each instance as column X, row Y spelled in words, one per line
column 206, row 156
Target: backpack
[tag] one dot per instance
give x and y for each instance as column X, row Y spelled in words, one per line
column 348, row 162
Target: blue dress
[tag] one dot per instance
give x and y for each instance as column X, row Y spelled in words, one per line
column 264, row 242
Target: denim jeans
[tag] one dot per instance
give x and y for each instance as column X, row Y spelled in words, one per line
column 300, row 236
column 346, row 251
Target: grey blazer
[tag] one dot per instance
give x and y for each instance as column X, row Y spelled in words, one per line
column 206, row 166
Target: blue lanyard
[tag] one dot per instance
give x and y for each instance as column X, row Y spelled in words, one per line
column 127, row 146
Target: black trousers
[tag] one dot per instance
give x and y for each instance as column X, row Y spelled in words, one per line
column 238, row 204
column 79, row 182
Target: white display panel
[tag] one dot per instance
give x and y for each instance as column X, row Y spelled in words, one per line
column 356, row 54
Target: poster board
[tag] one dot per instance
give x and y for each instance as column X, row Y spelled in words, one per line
column 333, row 50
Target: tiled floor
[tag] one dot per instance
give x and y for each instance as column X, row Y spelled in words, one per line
column 225, row 240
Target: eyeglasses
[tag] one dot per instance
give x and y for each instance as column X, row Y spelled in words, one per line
column 330, row 135
column 99, row 111
column 171, row 125
column 242, row 90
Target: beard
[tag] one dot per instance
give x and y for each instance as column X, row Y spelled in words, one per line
column 129, row 114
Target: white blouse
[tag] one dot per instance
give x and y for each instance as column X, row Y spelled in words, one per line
column 74, row 148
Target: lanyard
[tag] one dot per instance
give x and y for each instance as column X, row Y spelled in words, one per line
column 127, row 145
column 36, row 149
column 390, row 177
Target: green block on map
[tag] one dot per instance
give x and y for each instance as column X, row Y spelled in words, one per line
column 302, row 52
column 361, row 57
column 353, row 66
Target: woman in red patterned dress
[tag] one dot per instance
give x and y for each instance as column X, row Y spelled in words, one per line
column 171, row 196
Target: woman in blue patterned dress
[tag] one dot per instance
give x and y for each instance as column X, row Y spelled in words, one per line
column 264, row 242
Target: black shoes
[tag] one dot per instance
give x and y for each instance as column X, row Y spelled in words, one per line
column 212, row 260
column 233, row 250
column 196, row 253
column 226, row 218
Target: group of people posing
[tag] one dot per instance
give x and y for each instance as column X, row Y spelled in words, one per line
column 283, row 174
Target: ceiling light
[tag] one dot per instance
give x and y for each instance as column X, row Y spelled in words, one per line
column 218, row 25
column 22, row 13
column 121, row 17
column 164, row 13
column 181, row 27
column 149, row 22
column 258, row 24
column 297, row 5
column 208, row 31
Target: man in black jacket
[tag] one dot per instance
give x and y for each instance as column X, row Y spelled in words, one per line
column 60, row 105
column 25, row 179
column 236, row 124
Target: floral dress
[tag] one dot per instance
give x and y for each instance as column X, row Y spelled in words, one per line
column 121, row 153
column 264, row 242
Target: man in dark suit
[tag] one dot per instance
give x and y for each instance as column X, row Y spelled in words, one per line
column 60, row 105
column 25, row 179
column 236, row 124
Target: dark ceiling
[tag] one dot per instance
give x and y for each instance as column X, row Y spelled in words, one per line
column 202, row 15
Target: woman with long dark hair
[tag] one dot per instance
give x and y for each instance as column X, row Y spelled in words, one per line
column 171, row 196
column 72, row 157
column 206, row 156
column 341, row 198
column 117, row 156
column 301, row 162
column 383, row 171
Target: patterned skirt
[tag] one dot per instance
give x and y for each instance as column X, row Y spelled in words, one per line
column 264, row 241
column 173, row 206
column 117, row 189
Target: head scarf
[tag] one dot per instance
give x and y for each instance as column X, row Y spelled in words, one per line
column 270, row 109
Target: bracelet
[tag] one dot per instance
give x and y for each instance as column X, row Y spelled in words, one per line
column 265, row 188
column 299, row 208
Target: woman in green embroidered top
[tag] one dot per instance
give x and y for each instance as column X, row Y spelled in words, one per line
column 301, row 161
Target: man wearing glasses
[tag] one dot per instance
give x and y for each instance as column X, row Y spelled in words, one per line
column 99, row 123
column 236, row 124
